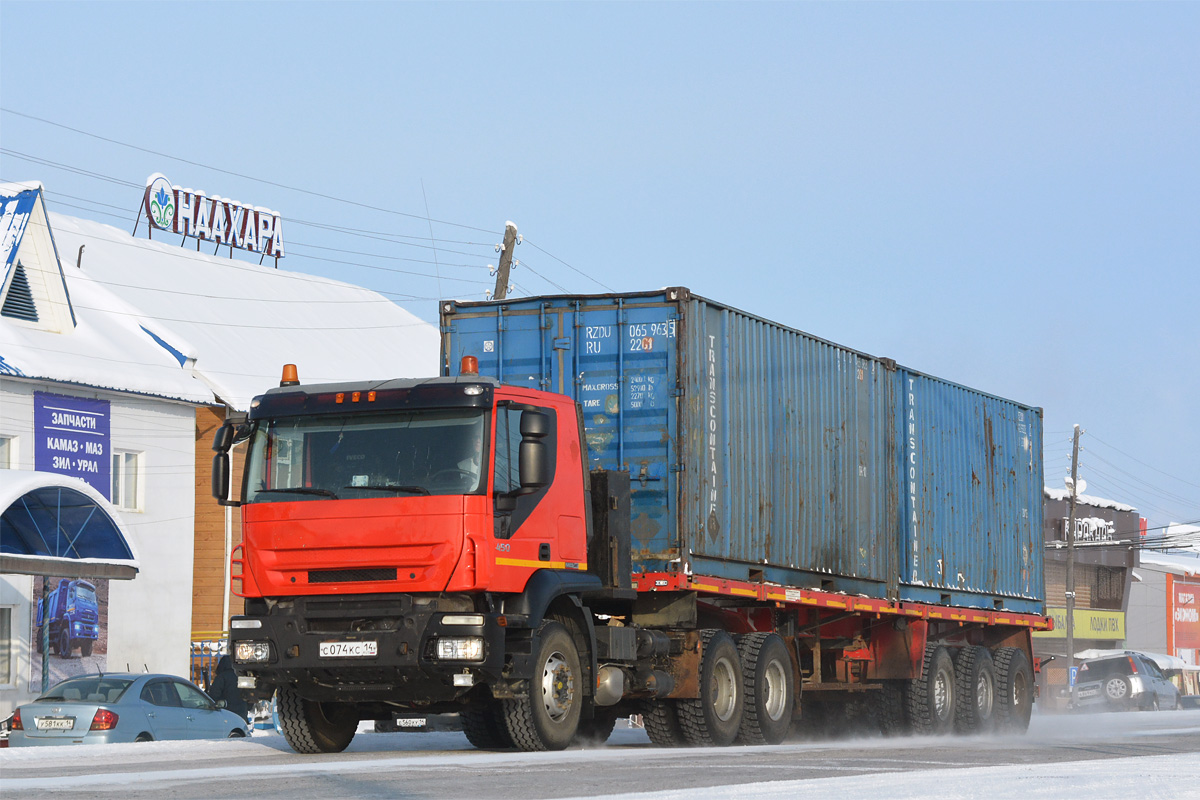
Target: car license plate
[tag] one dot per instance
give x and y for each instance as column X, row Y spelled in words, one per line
column 55, row 723
column 1088, row 692
column 349, row 649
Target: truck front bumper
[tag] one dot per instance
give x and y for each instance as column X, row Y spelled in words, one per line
column 392, row 648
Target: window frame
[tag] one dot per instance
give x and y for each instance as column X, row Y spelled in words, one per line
column 119, row 489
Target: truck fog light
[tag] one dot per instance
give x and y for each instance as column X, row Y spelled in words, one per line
column 462, row 619
column 245, row 623
column 460, row 648
column 246, row 652
column 464, row 679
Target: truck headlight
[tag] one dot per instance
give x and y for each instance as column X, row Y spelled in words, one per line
column 249, row 652
column 460, row 648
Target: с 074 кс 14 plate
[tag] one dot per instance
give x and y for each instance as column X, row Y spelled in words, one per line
column 348, row 649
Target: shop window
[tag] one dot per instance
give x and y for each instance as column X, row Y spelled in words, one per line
column 8, row 452
column 6, row 646
column 127, row 480
column 1107, row 588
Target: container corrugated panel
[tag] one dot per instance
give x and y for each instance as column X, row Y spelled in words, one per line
column 760, row 452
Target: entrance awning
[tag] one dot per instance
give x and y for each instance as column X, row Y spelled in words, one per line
column 59, row 526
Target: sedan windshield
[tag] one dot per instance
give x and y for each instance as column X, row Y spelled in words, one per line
column 395, row 454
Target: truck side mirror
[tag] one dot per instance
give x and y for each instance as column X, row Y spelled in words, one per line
column 220, row 479
column 533, row 462
column 223, row 439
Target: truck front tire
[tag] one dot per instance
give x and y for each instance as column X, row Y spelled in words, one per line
column 312, row 727
column 715, row 717
column 85, row 647
column 768, row 692
column 548, row 717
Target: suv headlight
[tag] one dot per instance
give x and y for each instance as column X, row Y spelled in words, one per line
column 252, row 652
column 460, row 648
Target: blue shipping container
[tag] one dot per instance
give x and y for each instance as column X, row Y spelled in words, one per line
column 759, row 452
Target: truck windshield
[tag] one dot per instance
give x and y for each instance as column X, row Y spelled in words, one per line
column 429, row 452
column 85, row 594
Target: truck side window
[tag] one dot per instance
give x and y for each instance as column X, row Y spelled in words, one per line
column 512, row 506
column 508, row 446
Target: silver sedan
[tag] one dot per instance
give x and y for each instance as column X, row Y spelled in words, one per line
column 121, row 707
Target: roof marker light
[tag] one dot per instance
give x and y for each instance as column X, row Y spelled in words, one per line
column 370, row 397
column 340, row 397
column 290, row 376
column 355, row 397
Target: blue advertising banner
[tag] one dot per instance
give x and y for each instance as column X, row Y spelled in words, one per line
column 71, row 436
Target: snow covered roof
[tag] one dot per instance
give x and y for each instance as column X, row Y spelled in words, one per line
column 165, row 320
column 1175, row 563
column 1087, row 499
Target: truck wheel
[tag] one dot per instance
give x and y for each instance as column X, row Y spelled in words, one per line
column 715, row 717
column 64, row 644
column 931, row 696
column 85, row 647
column 485, row 726
column 548, row 718
column 661, row 720
column 1014, row 690
column 768, row 689
column 890, row 709
column 976, row 708
column 312, row 727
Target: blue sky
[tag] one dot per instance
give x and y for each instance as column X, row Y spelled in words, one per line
column 1005, row 195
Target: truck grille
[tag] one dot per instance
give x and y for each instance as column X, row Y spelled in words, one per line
column 351, row 575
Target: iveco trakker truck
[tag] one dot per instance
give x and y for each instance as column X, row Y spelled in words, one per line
column 646, row 504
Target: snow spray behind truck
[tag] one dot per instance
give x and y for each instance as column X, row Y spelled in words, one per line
column 640, row 503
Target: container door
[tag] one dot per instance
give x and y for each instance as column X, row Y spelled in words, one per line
column 621, row 367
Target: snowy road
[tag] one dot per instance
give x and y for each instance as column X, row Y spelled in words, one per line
column 1102, row 755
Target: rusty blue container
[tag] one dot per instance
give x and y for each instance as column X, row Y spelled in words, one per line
column 759, row 452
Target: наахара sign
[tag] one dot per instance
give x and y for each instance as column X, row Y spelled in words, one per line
column 213, row 219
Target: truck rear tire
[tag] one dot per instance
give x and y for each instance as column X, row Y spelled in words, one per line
column 486, row 727
column 931, row 696
column 548, row 717
column 661, row 720
column 975, row 711
column 768, row 689
column 715, row 717
column 1014, row 690
column 312, row 727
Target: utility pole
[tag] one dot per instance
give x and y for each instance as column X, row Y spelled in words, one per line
column 506, row 257
column 1070, row 587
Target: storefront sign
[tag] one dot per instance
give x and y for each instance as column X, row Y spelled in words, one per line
column 1183, row 609
column 1092, row 529
column 1089, row 624
column 71, row 436
column 213, row 219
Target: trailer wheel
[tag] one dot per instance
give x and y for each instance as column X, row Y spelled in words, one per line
column 1014, row 689
column 768, row 689
column 661, row 721
column 890, row 709
column 931, row 696
column 976, row 708
column 312, row 727
column 715, row 717
column 85, row 647
column 485, row 726
column 548, row 717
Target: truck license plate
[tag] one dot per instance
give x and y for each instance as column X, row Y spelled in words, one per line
column 55, row 723
column 349, row 649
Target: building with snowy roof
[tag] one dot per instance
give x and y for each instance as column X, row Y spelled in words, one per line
column 1106, row 535
column 1164, row 602
column 119, row 357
